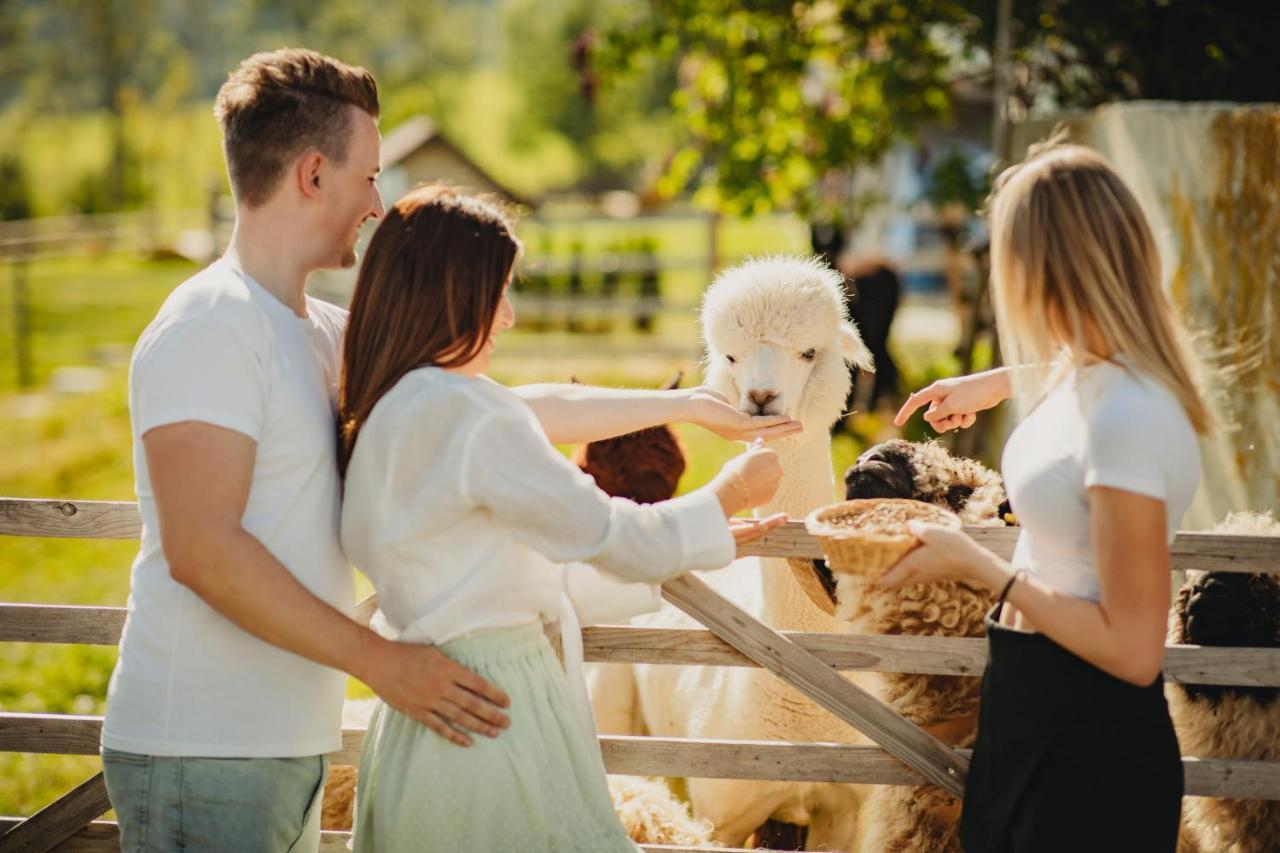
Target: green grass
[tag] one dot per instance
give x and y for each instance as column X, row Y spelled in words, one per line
column 81, row 311
column 179, row 149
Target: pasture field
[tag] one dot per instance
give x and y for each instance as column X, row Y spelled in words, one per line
column 87, row 312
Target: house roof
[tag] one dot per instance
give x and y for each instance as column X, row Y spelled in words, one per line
column 419, row 131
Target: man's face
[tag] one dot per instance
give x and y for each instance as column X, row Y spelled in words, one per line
column 350, row 194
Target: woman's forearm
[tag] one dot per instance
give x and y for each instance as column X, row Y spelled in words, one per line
column 1119, row 647
column 573, row 414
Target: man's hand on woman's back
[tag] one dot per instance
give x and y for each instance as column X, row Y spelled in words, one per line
column 422, row 682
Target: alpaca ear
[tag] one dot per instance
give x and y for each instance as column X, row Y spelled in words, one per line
column 853, row 349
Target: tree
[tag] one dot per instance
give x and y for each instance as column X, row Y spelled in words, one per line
column 1081, row 53
column 549, row 60
column 777, row 101
column 780, row 101
column 15, row 189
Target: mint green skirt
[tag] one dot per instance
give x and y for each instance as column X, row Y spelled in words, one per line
column 538, row 787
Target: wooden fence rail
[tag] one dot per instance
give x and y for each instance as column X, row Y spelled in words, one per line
column 783, row 761
column 905, row 754
column 965, row 656
column 120, row 520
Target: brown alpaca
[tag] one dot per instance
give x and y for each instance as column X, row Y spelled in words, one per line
column 643, row 466
column 924, row 818
column 1228, row 609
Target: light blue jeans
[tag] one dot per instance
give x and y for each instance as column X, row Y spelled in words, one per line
column 214, row 805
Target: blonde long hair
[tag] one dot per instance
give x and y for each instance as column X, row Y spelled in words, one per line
column 1075, row 271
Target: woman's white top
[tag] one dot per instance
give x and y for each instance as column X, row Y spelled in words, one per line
column 461, row 512
column 1103, row 425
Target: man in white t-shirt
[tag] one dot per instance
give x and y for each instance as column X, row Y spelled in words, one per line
column 229, row 688
column 230, row 683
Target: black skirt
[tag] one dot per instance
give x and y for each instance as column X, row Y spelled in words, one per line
column 1067, row 757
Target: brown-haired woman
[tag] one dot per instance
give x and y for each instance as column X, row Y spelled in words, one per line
column 463, row 514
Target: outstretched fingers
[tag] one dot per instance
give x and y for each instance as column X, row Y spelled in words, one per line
column 750, row 529
column 772, row 427
column 930, row 394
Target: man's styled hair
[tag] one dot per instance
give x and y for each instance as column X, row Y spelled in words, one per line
column 276, row 106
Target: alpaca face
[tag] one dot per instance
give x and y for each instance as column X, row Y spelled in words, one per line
column 778, row 339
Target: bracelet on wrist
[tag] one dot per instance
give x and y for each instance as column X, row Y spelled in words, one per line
column 1009, row 585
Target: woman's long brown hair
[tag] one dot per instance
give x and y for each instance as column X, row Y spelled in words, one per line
column 427, row 294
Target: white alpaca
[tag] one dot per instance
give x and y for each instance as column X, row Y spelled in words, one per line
column 778, row 341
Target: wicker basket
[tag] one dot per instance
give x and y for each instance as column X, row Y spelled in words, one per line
column 869, row 535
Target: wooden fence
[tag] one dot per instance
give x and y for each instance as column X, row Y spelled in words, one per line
column 905, row 754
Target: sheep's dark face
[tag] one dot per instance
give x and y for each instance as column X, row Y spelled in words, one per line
column 884, row 471
column 1229, row 609
column 888, row 470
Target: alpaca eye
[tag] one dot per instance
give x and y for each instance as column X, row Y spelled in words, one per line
column 732, row 360
column 809, row 354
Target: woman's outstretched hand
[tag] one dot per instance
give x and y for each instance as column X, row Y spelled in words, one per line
column 712, row 410
column 746, row 530
column 955, row 403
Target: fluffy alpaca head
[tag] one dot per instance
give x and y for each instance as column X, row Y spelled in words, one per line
column 1230, row 609
column 779, row 340
column 927, row 471
column 643, row 466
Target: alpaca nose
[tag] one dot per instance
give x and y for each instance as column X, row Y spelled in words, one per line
column 762, row 398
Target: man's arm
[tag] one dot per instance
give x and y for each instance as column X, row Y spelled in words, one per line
column 201, row 475
column 572, row 414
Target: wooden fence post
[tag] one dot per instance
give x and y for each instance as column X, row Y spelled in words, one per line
column 22, row 321
column 59, row 820
column 901, row 738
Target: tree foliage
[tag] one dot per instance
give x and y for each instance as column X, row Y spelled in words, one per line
column 1081, row 53
column 549, row 59
column 778, row 100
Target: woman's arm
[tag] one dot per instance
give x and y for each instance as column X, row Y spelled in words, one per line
column 526, row 485
column 572, row 414
column 954, row 403
column 1123, row 634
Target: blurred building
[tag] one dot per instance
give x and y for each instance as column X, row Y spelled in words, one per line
column 415, row 152
column 905, row 228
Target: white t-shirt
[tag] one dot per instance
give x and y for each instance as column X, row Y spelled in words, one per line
column 461, row 512
column 1103, row 425
column 224, row 351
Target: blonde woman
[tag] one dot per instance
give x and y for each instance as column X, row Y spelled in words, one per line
column 1075, row 748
